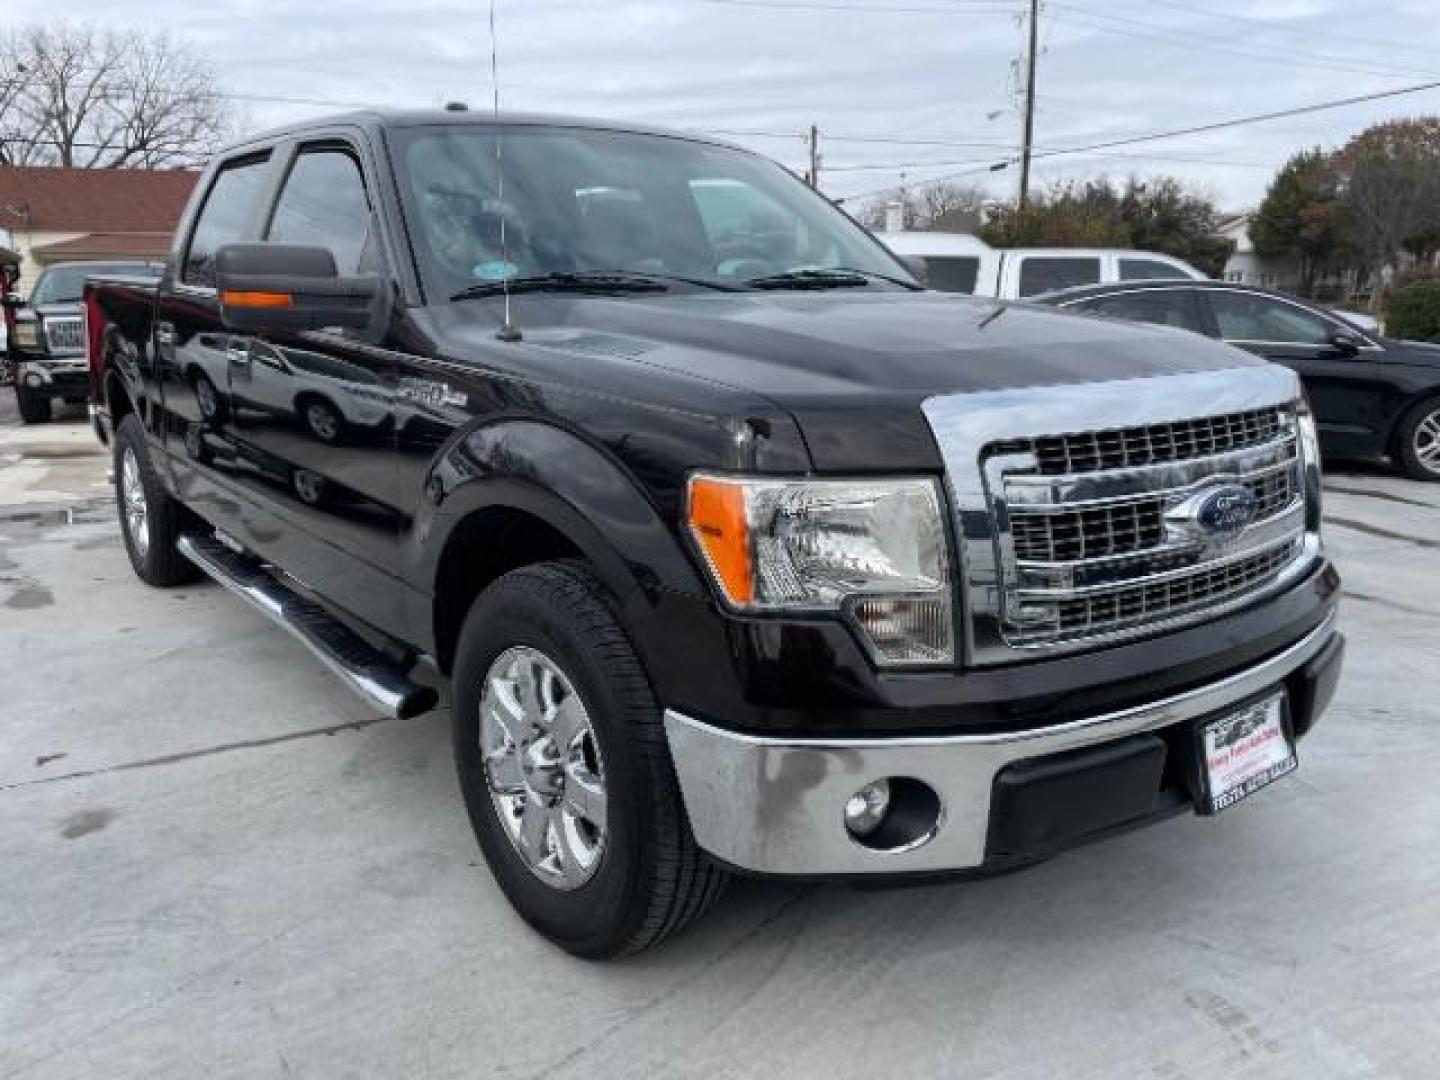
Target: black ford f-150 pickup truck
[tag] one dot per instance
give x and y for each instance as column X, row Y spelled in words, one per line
column 740, row 550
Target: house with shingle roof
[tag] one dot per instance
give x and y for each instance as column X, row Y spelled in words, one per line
column 50, row 214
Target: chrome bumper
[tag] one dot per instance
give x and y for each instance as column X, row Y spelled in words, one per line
column 775, row 806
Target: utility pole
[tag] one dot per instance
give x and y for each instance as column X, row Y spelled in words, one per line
column 812, row 177
column 1029, row 102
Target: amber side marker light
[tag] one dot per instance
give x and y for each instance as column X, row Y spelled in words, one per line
column 718, row 523
column 257, row 299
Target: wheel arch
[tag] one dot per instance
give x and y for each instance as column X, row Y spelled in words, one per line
column 522, row 492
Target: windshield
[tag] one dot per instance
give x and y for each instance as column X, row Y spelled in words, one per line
column 64, row 284
column 583, row 201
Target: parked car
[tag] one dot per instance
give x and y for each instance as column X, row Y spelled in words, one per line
column 957, row 262
column 1372, row 395
column 740, row 550
column 47, row 349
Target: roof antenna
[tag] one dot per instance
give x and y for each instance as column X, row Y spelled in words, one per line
column 507, row 329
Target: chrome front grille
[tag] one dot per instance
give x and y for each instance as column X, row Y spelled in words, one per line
column 64, row 335
column 1076, row 539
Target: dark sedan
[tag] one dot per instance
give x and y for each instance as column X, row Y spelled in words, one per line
column 1372, row 396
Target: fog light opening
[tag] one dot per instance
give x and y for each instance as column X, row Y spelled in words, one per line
column 893, row 814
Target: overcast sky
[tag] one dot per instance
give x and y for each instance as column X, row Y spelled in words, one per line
column 925, row 71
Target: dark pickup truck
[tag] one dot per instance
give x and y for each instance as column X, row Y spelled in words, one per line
column 47, row 338
column 740, row 551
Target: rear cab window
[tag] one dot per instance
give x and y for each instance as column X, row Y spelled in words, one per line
column 225, row 217
column 952, row 273
column 1044, row 273
column 1132, row 269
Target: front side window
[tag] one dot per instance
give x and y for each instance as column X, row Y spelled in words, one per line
column 323, row 204
column 225, row 218
column 1148, row 270
column 950, row 273
column 1043, row 273
column 1245, row 316
column 551, row 200
column 1165, row 307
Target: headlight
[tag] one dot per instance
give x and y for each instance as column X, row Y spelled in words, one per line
column 872, row 550
column 27, row 335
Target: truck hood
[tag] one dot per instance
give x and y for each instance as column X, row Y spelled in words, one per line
column 853, row 368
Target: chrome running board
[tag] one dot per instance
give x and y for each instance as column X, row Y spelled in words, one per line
column 360, row 666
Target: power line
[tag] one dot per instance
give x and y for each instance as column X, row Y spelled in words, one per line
column 982, row 7
column 1146, row 31
column 1274, row 27
column 1194, row 129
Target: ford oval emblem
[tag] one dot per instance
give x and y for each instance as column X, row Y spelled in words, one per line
column 1224, row 511
column 1214, row 514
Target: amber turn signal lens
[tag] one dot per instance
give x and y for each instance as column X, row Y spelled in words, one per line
column 257, row 299
column 718, row 523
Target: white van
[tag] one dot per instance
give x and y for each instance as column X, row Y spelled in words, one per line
column 959, row 262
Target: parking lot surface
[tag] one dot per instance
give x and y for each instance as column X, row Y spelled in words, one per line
column 217, row 863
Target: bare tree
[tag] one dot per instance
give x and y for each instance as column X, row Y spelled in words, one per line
column 950, row 207
column 78, row 96
column 1389, row 187
column 945, row 207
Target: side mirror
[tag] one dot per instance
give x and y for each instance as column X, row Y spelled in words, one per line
column 287, row 288
column 918, row 268
column 1344, row 343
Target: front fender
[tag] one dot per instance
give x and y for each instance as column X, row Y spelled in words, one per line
column 572, row 485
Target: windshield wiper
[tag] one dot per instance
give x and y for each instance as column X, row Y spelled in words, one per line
column 911, row 285
column 598, row 282
column 809, row 279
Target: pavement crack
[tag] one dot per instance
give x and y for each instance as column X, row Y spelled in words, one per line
column 1384, row 534
column 204, row 752
column 1388, row 496
column 1395, row 605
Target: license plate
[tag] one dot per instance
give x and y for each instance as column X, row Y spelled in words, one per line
column 1244, row 752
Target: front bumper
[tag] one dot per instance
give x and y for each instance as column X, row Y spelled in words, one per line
column 774, row 806
column 70, row 378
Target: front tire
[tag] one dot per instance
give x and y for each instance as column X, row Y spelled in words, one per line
column 34, row 408
column 565, row 769
column 1417, row 441
column 151, row 520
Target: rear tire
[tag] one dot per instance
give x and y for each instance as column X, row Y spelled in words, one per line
column 151, row 520
column 34, row 408
column 1417, row 441
column 649, row 878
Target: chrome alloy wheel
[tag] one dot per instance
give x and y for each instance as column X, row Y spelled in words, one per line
column 542, row 766
column 323, row 421
column 132, row 494
column 1427, row 441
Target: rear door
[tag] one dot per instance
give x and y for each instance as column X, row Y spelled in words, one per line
column 1348, row 393
column 315, row 412
column 193, row 349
